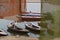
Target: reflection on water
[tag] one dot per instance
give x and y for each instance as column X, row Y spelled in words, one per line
column 4, row 23
column 33, row 35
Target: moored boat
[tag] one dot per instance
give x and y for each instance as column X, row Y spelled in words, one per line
column 3, row 33
column 32, row 27
column 17, row 29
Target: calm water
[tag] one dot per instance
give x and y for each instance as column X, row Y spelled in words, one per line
column 4, row 23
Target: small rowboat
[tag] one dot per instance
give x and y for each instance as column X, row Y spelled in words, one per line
column 33, row 27
column 3, row 33
column 17, row 29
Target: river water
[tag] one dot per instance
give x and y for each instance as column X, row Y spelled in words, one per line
column 4, row 23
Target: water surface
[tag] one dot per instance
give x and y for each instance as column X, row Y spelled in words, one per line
column 4, row 23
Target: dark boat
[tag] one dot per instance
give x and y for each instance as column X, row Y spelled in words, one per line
column 33, row 28
column 3, row 33
column 17, row 29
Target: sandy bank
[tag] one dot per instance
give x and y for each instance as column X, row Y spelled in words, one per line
column 17, row 38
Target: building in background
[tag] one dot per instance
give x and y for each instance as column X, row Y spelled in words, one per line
column 11, row 7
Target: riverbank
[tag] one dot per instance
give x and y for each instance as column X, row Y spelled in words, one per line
column 18, row 38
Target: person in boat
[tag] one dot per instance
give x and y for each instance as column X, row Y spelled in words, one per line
column 12, row 25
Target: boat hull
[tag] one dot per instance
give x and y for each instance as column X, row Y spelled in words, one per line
column 17, row 31
column 31, row 29
column 3, row 34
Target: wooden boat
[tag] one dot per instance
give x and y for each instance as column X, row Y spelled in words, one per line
column 3, row 33
column 17, row 29
column 30, row 16
column 33, row 27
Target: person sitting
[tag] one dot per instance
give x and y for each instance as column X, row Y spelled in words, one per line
column 10, row 25
column 14, row 25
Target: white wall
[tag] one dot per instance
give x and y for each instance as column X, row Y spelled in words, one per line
column 33, row 0
column 33, row 7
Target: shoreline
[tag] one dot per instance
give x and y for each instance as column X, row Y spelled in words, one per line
column 18, row 38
